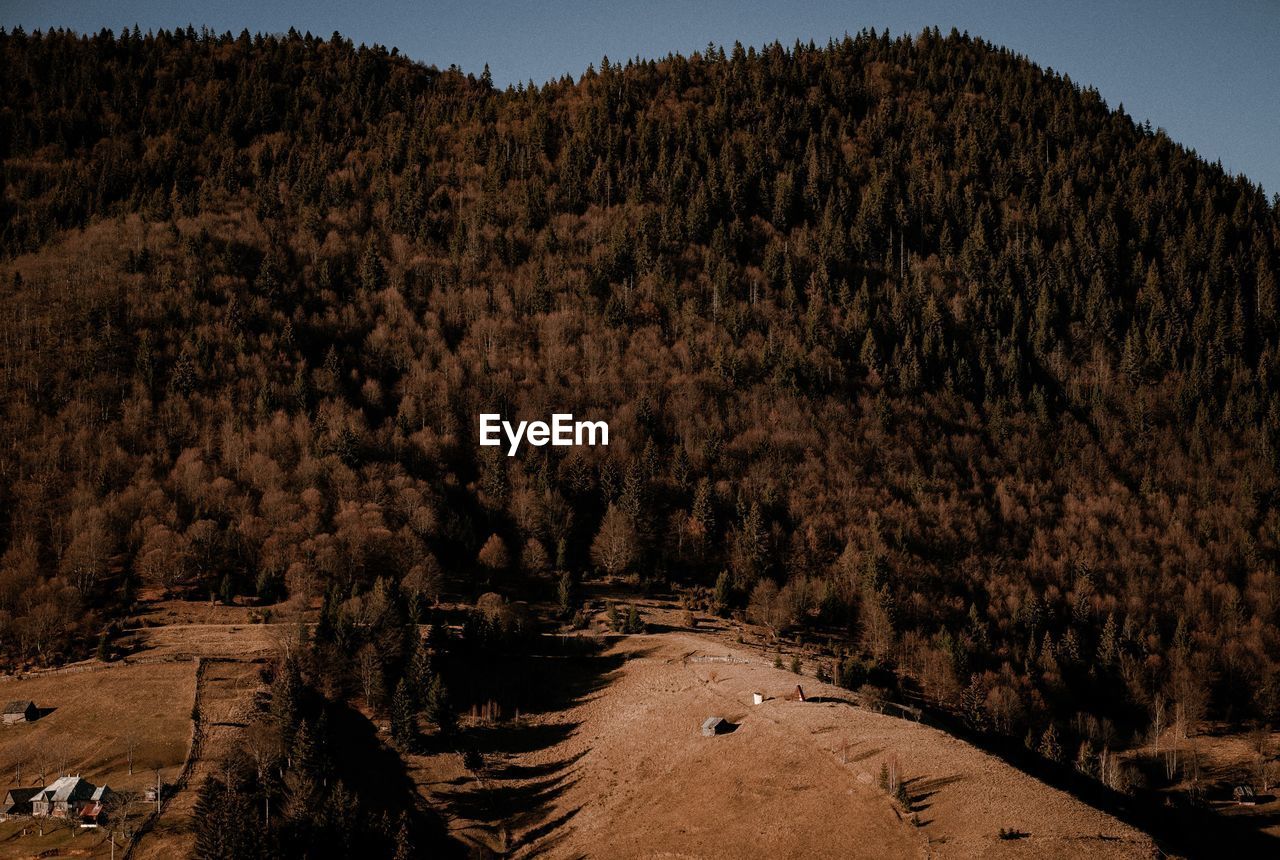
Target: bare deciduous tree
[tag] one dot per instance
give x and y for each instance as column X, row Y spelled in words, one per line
column 614, row 546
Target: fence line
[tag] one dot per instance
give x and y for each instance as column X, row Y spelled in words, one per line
column 100, row 666
column 193, row 755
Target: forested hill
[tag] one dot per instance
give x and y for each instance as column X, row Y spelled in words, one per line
column 907, row 338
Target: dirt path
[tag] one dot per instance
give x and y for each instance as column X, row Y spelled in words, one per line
column 623, row 771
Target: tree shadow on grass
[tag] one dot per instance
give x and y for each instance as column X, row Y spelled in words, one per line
column 550, row 832
column 490, row 800
column 920, row 790
column 534, row 771
column 507, row 739
column 378, row 776
column 510, row 796
column 534, row 683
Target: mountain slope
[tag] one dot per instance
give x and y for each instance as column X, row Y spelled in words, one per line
column 909, row 341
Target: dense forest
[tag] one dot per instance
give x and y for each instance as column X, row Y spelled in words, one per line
column 908, row 340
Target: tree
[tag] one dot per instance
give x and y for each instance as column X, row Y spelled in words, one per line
column 404, row 849
column 533, row 558
column 130, row 747
column 614, row 547
column 493, row 555
column 438, row 710
column 769, row 608
column 404, row 722
column 749, row 551
column 566, row 594
column 973, row 705
column 633, row 622
column 225, row 824
column 420, row 673
column 1050, row 747
column 227, row 591
column 720, row 596
column 120, row 813
column 874, row 615
column 369, row 664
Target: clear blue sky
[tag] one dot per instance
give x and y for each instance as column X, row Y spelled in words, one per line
column 1207, row 72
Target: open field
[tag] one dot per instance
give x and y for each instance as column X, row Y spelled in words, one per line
column 232, row 641
column 93, row 716
column 96, row 712
column 621, row 770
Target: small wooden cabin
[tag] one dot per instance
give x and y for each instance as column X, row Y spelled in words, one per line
column 20, row 711
column 712, row 726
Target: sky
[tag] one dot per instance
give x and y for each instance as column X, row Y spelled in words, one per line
column 1208, row 73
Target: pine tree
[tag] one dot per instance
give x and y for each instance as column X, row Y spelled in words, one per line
column 973, row 705
column 211, row 838
column 286, row 697
column 420, row 673
column 634, row 623
column 1108, row 646
column 404, row 849
column 721, row 594
column 404, row 723
column 1050, row 747
column 566, row 594
column 438, row 710
column 703, row 513
column 372, row 276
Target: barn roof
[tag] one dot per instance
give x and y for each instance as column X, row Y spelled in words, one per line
column 17, row 800
column 18, row 706
column 67, row 788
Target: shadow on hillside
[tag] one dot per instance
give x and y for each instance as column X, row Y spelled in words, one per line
column 549, row 833
column 920, row 790
column 535, row 771
column 513, row 802
column 378, row 776
column 656, row 627
column 515, row 805
column 823, row 700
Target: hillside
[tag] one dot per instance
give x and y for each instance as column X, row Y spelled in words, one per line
column 633, row 776
column 907, row 346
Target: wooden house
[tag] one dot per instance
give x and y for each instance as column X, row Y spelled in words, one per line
column 20, row 711
column 66, row 796
column 17, row 801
